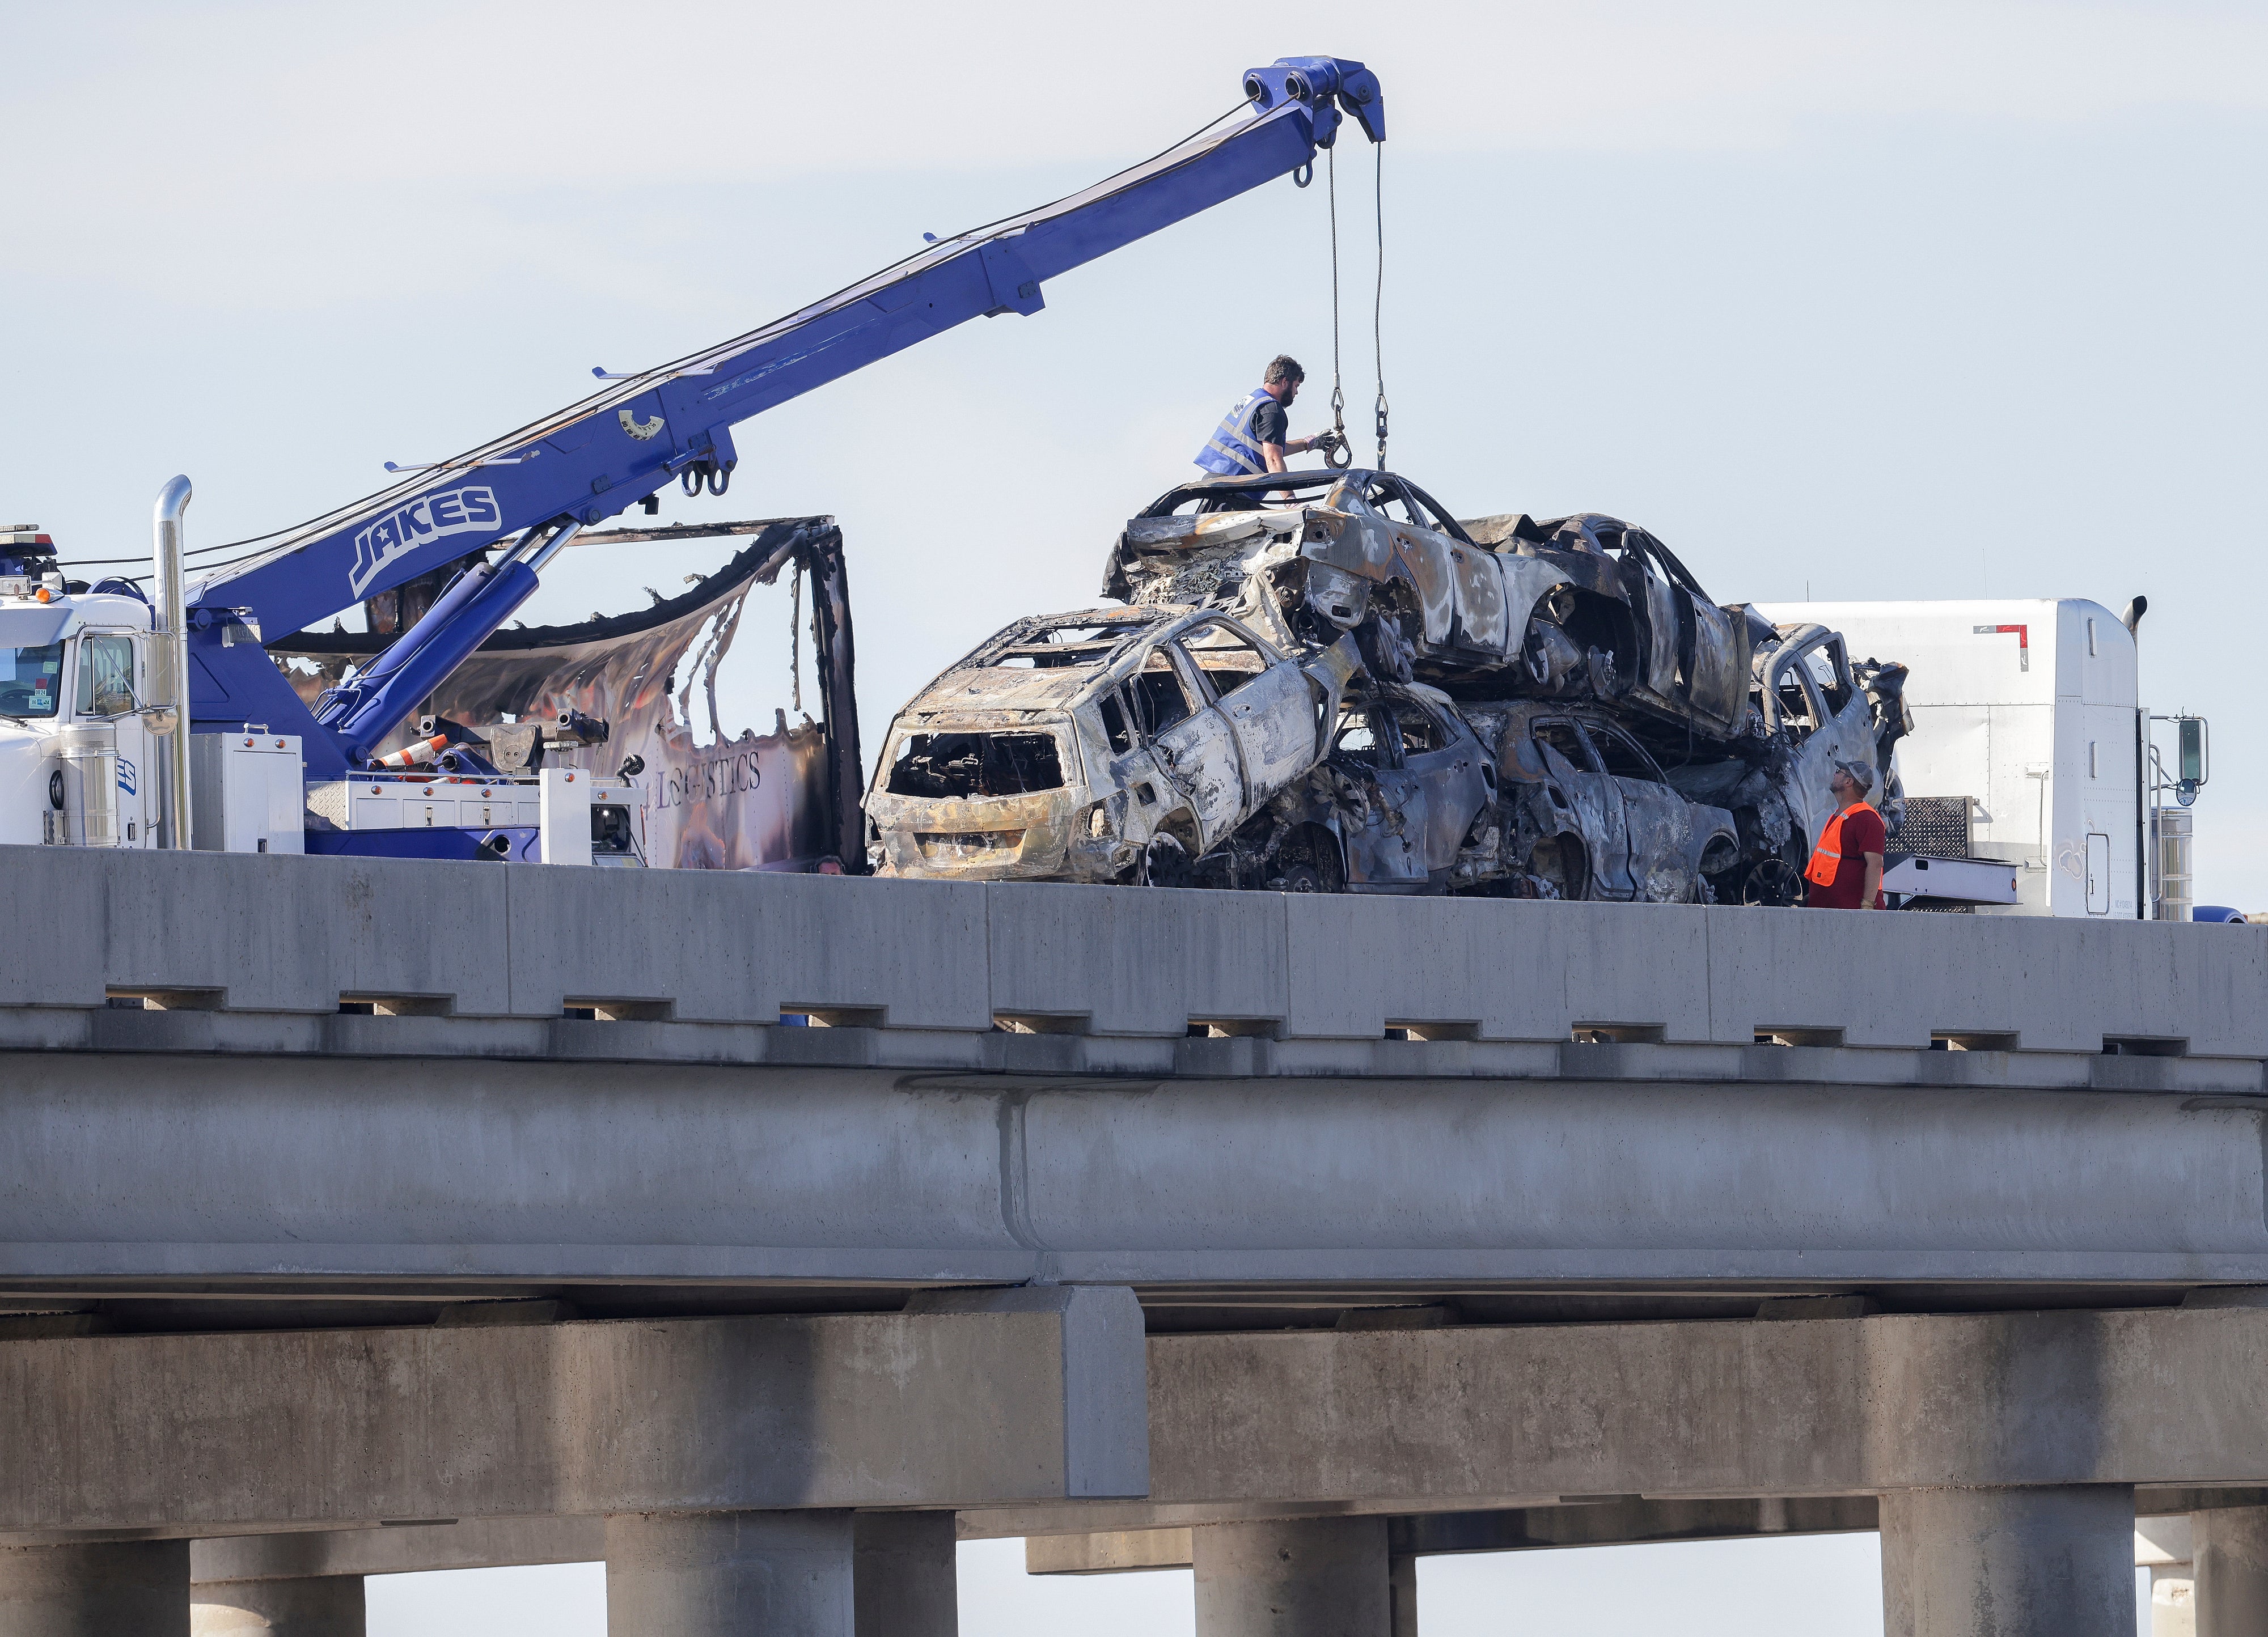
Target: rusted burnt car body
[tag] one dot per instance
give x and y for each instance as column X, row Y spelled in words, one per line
column 1525, row 798
column 1584, row 607
column 1589, row 813
column 1109, row 745
column 1588, row 612
column 1403, row 800
column 1178, row 748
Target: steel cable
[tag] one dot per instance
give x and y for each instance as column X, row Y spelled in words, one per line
column 1378, row 303
column 536, row 427
column 1338, row 397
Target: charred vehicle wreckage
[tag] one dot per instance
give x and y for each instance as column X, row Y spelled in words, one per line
column 1323, row 681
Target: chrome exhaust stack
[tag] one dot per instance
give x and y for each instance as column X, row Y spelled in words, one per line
column 174, row 643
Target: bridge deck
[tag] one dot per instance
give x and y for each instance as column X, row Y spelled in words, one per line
column 1259, row 1110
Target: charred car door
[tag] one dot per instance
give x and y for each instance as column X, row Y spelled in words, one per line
column 1451, row 769
column 1480, row 627
column 1605, row 832
column 1192, row 739
column 1384, row 841
column 1657, row 821
column 1269, row 702
column 1694, row 656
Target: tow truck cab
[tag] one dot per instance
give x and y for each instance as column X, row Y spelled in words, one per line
column 76, row 761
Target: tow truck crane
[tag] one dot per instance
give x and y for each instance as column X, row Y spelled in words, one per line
column 95, row 677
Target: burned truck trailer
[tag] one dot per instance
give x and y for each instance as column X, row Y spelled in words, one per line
column 616, row 694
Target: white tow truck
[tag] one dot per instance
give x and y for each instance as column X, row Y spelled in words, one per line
column 87, row 713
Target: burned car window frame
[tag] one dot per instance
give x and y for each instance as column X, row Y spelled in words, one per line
column 1265, row 652
column 1598, row 733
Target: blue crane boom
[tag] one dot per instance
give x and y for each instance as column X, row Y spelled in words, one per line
column 599, row 457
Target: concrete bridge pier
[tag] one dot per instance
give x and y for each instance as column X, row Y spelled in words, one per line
column 312, row 1605
column 110, row 1589
column 2230, row 1568
column 2043, row 1562
column 904, row 1580
column 1302, row 1577
column 732, row 1574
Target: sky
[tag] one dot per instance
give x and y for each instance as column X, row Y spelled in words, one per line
column 1890, row 299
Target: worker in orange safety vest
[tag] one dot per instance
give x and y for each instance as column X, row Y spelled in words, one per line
column 1846, row 862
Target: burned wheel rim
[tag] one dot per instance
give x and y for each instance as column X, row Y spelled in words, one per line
column 1772, row 885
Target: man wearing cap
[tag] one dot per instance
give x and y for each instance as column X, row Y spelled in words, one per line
column 1846, row 862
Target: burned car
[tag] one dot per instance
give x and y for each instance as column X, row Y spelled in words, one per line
column 1524, row 799
column 1110, row 744
column 1591, row 814
column 1582, row 607
column 1403, row 800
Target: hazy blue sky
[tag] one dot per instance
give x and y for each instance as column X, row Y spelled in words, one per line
column 1902, row 299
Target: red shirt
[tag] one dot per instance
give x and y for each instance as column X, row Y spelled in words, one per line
column 1862, row 833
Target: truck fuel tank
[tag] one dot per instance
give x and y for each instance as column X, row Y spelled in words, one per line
column 82, row 788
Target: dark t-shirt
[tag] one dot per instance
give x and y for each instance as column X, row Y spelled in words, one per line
column 1270, row 424
column 1862, row 833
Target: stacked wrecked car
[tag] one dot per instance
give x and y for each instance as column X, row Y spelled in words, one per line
column 1323, row 681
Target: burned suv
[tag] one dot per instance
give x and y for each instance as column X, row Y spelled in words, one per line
column 1111, row 744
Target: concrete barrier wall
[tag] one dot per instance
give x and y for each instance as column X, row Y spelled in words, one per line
column 269, row 933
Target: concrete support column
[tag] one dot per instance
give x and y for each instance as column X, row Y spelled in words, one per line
column 2230, row 1562
column 903, row 1574
column 731, row 1574
column 1306, row 1577
column 1402, row 1587
column 2033, row 1563
column 118, row 1588
column 315, row 1605
column 2173, row 1600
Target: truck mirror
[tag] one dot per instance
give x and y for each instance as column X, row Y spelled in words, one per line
column 2196, row 762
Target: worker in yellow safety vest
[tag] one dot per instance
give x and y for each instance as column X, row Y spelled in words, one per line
column 1846, row 862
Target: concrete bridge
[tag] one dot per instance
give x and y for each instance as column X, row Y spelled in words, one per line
column 358, row 1217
